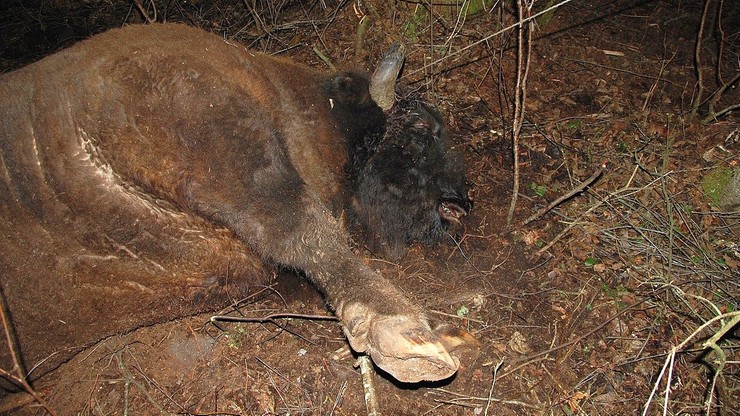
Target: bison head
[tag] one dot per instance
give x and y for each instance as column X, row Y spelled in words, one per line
column 409, row 184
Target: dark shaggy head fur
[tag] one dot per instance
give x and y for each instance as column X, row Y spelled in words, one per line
column 408, row 184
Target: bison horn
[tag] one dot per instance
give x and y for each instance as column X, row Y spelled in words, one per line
column 383, row 82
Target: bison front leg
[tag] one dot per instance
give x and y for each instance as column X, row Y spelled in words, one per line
column 376, row 316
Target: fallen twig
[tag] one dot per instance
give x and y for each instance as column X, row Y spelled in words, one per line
column 538, row 356
column 324, row 58
column 338, row 398
column 567, row 229
column 272, row 318
column 711, row 343
column 457, row 316
column 371, row 400
column 493, row 384
column 576, row 190
column 18, row 378
column 460, row 398
column 144, row 13
column 486, row 39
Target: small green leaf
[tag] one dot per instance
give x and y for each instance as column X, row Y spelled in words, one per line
column 591, row 262
column 462, row 310
column 539, row 190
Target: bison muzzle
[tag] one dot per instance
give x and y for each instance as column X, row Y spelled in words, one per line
column 151, row 170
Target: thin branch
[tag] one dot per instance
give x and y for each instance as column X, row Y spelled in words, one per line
column 487, row 38
column 539, row 355
column 520, row 96
column 697, row 58
column 714, row 115
column 578, row 189
column 670, row 358
column 18, row 378
column 272, row 318
column 144, row 13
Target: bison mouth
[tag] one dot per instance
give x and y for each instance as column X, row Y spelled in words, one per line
column 452, row 209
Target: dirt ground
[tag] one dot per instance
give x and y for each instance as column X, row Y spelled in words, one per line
column 578, row 312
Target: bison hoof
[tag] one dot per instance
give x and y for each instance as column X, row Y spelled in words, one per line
column 404, row 346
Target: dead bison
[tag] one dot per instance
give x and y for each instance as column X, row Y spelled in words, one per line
column 145, row 172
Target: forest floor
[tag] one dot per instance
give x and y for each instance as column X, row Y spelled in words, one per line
column 593, row 308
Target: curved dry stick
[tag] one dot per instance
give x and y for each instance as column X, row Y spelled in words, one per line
column 520, row 96
column 670, row 357
column 18, row 379
column 574, row 191
column 697, row 58
column 271, row 318
column 541, row 355
column 487, row 38
column 144, row 13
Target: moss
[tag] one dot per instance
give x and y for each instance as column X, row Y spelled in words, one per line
column 715, row 181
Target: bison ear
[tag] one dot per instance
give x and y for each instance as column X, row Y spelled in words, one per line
column 349, row 90
column 429, row 120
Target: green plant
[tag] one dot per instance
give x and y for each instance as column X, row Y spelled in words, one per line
column 714, row 182
column 237, row 336
column 539, row 190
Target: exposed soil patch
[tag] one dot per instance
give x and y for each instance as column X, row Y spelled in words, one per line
column 637, row 263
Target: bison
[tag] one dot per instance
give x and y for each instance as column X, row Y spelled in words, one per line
column 152, row 170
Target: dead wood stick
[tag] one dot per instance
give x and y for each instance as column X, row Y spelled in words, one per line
column 697, row 59
column 716, row 97
column 574, row 191
column 539, row 356
column 15, row 401
column 144, row 13
column 484, row 40
column 271, row 318
column 19, row 378
column 324, row 58
column 371, row 399
column 520, row 95
column 365, row 23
